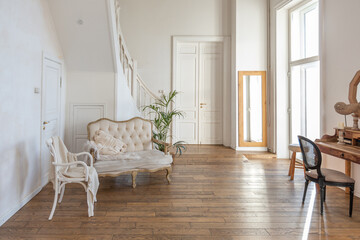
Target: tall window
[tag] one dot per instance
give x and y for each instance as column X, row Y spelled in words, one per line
column 304, row 72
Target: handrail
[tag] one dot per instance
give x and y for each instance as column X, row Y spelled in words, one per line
column 140, row 92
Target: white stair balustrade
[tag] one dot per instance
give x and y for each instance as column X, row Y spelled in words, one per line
column 141, row 94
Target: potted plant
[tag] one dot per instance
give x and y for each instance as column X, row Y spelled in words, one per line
column 162, row 116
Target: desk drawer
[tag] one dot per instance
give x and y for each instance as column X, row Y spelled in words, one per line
column 339, row 154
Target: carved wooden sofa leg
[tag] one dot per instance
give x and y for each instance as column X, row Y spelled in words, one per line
column 168, row 172
column 133, row 174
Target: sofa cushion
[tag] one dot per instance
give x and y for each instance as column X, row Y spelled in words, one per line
column 148, row 159
column 107, row 144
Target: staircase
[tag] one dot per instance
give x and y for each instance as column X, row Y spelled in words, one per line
column 141, row 94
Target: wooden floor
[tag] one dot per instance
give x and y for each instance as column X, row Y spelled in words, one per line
column 215, row 193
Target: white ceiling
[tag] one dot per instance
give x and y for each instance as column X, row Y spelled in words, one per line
column 86, row 47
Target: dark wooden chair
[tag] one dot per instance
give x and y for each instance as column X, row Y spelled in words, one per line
column 322, row 176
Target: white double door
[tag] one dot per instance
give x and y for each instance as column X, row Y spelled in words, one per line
column 198, row 76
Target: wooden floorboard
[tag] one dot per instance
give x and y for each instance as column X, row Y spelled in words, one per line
column 216, row 193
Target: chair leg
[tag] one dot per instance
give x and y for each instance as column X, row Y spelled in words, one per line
column 54, row 204
column 305, row 189
column 325, row 193
column 292, row 166
column 321, row 199
column 133, row 174
column 62, row 193
column 168, row 172
column 351, row 200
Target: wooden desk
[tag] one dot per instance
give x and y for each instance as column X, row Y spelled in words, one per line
column 328, row 145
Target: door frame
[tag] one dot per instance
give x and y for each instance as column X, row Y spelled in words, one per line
column 49, row 57
column 226, row 81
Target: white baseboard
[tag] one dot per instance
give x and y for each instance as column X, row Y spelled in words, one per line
column 12, row 211
column 255, row 149
column 45, row 180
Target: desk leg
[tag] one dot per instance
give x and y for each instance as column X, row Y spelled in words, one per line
column 347, row 172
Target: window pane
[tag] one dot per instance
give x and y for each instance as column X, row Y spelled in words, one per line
column 305, row 101
column 312, row 78
column 295, row 105
column 295, row 36
column 311, row 32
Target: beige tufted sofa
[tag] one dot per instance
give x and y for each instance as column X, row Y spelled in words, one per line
column 140, row 155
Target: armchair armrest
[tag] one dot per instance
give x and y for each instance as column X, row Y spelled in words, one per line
column 89, row 156
column 166, row 145
column 86, row 168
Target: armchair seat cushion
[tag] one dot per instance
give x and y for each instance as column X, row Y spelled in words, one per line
column 74, row 172
column 331, row 175
column 147, row 159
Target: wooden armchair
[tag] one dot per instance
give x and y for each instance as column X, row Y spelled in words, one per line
column 68, row 170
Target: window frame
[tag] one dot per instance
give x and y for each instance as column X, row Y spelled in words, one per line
column 303, row 8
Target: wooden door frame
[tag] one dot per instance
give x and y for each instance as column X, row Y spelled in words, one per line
column 49, row 57
column 242, row 143
column 226, row 101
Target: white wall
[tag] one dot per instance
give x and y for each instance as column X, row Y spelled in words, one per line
column 251, row 35
column 251, row 44
column 340, row 62
column 91, row 52
column 89, row 88
column 149, row 25
column 86, row 46
column 28, row 32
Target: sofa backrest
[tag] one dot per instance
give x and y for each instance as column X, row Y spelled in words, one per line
column 136, row 133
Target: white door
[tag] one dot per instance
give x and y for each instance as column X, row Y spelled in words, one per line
column 198, row 78
column 187, row 83
column 50, row 109
column 210, row 93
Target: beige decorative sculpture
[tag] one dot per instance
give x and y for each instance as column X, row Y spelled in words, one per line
column 354, row 106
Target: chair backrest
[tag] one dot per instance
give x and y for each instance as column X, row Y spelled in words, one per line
column 136, row 133
column 311, row 155
column 57, row 149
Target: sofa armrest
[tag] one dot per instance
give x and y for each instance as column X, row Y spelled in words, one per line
column 165, row 144
column 92, row 149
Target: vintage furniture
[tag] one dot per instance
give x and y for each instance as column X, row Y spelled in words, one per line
column 345, row 142
column 312, row 160
column 349, row 151
column 68, row 170
column 294, row 148
column 252, row 109
column 140, row 156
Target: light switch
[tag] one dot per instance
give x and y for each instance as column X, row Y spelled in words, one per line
column 37, row 90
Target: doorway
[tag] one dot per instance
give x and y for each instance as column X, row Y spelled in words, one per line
column 50, row 110
column 198, row 73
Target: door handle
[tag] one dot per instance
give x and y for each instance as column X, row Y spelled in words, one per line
column 45, row 122
column 202, row 103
